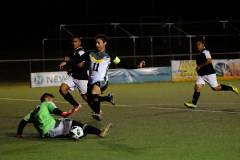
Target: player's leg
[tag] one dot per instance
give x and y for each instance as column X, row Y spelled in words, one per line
column 109, row 97
column 95, row 93
column 82, row 86
column 212, row 81
column 83, row 90
column 89, row 129
column 64, row 91
column 61, row 129
column 197, row 89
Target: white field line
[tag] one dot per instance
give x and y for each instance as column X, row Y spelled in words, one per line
column 146, row 106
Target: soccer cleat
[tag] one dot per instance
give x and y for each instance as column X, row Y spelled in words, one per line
column 97, row 117
column 105, row 130
column 190, row 105
column 235, row 89
column 111, row 98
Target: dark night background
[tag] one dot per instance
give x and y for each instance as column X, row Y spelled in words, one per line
column 25, row 23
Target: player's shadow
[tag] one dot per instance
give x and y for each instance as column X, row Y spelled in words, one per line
column 33, row 137
column 28, row 136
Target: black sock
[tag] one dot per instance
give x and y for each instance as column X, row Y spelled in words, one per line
column 226, row 87
column 104, row 98
column 76, row 123
column 195, row 97
column 68, row 97
column 90, row 102
column 88, row 129
column 94, row 103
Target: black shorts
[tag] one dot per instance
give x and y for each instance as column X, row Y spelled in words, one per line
column 102, row 85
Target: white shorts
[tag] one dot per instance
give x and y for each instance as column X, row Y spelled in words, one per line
column 81, row 85
column 210, row 79
column 62, row 128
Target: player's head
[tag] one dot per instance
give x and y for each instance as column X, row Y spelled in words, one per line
column 101, row 42
column 47, row 97
column 76, row 41
column 200, row 44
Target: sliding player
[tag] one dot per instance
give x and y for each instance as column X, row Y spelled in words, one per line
column 48, row 126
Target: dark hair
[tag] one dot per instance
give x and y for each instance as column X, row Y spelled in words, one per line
column 200, row 39
column 45, row 95
column 103, row 37
column 78, row 37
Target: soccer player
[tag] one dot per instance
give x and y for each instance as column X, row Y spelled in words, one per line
column 98, row 62
column 206, row 74
column 48, row 126
column 77, row 74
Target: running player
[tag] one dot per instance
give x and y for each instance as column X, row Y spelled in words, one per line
column 77, row 74
column 48, row 126
column 98, row 62
column 206, row 74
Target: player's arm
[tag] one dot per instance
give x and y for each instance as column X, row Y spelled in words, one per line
column 84, row 60
column 66, row 59
column 58, row 112
column 55, row 110
column 70, row 61
column 22, row 124
column 21, row 127
column 80, row 60
column 208, row 61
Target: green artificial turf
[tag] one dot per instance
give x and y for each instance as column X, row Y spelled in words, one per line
column 149, row 122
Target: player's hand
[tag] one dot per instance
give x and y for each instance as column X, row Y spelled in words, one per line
column 142, row 64
column 66, row 59
column 61, row 65
column 68, row 113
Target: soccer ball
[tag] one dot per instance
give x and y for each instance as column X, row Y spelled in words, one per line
column 76, row 132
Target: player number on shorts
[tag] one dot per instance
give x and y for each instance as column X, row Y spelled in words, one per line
column 95, row 66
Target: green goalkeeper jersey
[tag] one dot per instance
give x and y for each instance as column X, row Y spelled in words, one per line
column 42, row 118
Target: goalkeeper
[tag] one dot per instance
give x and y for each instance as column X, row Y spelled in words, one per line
column 48, row 126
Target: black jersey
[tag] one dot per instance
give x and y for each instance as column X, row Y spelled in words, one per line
column 201, row 59
column 75, row 71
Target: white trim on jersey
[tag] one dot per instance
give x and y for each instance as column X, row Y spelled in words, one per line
column 207, row 54
column 81, row 52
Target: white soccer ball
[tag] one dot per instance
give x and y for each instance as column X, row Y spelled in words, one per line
column 76, row 132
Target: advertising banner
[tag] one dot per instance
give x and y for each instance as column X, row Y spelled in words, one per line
column 46, row 79
column 185, row 70
column 156, row 74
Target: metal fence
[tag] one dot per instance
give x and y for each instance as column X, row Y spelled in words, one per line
column 156, row 43
column 19, row 70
